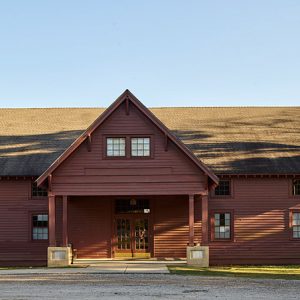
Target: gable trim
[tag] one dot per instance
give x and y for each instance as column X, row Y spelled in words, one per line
column 125, row 96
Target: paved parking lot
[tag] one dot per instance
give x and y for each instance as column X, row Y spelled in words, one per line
column 139, row 286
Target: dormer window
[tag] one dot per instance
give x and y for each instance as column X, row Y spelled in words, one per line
column 116, row 146
column 140, row 146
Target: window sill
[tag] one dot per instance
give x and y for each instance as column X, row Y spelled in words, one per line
column 221, row 197
column 222, row 240
column 39, row 198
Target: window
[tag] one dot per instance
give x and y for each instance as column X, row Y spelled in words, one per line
column 223, row 189
column 295, row 224
column 131, row 206
column 40, row 227
column 140, row 146
column 115, row 146
column 296, row 187
column 38, row 191
column 222, row 226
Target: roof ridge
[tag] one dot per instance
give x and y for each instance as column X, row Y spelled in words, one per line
column 155, row 107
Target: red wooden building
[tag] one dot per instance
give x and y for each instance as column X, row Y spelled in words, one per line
column 128, row 181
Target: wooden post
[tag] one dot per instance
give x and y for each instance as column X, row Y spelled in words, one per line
column 204, row 220
column 51, row 207
column 65, row 221
column 191, row 220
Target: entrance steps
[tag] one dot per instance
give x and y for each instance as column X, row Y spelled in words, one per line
column 128, row 266
column 100, row 261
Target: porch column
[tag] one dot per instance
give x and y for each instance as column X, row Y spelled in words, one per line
column 51, row 208
column 191, row 220
column 204, row 220
column 65, row 221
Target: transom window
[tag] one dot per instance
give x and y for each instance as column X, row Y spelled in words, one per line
column 40, row 227
column 222, row 226
column 115, row 146
column 223, row 189
column 296, row 187
column 132, row 206
column 140, row 146
column 296, row 224
column 38, row 191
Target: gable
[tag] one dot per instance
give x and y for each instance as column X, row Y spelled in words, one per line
column 128, row 117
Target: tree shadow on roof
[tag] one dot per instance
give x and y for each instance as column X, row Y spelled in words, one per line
column 33, row 154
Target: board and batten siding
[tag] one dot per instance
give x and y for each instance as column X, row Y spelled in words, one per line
column 168, row 172
column 261, row 223
column 16, row 209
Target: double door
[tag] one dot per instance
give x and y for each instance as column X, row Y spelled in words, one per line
column 132, row 236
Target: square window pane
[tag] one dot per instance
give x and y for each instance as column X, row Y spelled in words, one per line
column 140, row 147
column 223, row 189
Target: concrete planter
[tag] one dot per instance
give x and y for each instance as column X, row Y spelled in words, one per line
column 197, row 256
column 59, row 256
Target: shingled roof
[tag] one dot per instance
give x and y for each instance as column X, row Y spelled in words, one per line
column 229, row 140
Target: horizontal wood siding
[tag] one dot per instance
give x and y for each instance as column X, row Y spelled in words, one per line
column 89, row 226
column 91, row 173
column 16, row 208
column 171, row 228
column 261, row 224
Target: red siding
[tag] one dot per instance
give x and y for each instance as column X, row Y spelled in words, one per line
column 90, row 173
column 89, row 226
column 261, row 224
column 16, row 207
column 171, row 228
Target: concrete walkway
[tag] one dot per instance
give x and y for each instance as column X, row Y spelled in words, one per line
column 102, row 267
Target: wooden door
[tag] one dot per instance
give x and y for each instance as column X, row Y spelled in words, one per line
column 132, row 236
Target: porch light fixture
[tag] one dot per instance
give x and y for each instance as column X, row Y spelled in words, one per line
column 132, row 201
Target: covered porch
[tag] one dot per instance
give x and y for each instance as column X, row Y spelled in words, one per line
column 125, row 227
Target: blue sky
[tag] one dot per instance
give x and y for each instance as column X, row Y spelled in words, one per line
column 168, row 53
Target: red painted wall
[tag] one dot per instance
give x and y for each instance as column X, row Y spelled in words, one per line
column 16, row 208
column 89, row 226
column 171, row 228
column 261, row 223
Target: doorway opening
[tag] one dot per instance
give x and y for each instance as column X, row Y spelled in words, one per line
column 131, row 229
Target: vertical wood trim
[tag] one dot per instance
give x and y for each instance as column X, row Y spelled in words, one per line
column 65, row 221
column 50, row 182
column 51, row 207
column 127, row 106
column 204, row 220
column 89, row 143
column 166, row 142
column 191, row 220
